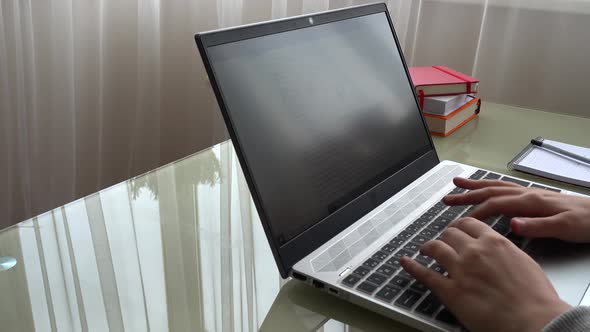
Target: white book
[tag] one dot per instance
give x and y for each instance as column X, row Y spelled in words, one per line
column 444, row 105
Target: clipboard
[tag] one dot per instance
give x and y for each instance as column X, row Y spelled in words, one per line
column 552, row 165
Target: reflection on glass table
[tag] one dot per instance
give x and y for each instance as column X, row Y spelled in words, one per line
column 298, row 307
column 178, row 249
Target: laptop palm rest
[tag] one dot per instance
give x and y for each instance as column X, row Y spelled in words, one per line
column 566, row 264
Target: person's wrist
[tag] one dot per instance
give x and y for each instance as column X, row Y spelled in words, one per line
column 538, row 317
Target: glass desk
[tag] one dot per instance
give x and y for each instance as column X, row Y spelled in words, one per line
column 181, row 248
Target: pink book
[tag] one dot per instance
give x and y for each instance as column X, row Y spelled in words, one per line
column 442, row 81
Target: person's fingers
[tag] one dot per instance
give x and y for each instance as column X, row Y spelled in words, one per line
column 529, row 204
column 456, row 238
column 552, row 226
column 470, row 226
column 436, row 282
column 441, row 252
column 477, row 184
column 481, row 195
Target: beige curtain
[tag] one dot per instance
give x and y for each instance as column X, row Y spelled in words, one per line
column 95, row 92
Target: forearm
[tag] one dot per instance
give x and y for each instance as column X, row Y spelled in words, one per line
column 574, row 320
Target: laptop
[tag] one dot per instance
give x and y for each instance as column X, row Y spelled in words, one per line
column 326, row 125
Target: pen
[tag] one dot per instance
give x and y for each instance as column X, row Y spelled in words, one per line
column 548, row 146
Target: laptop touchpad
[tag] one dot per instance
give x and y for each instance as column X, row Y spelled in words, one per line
column 566, row 264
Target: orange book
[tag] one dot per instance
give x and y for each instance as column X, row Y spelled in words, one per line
column 444, row 125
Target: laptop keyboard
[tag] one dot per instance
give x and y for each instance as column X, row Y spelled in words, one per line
column 382, row 276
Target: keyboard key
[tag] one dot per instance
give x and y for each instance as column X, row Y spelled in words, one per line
column 427, row 233
column 478, row 174
column 397, row 242
column 457, row 208
column 438, row 268
column 400, row 282
column 504, row 221
column 465, row 214
column 402, row 252
column 376, row 279
column 404, row 235
column 443, row 220
column 546, row 188
column 405, row 274
column 420, row 223
column 413, row 228
column 367, row 287
column 386, row 270
column 379, row 255
column 429, row 305
column 490, row 220
column 517, row 181
column 424, row 260
column 419, row 287
column 446, row 316
column 471, row 208
column 450, row 214
column 393, row 262
column 441, row 205
column 500, row 228
column 408, row 299
column 351, row 280
column 361, row 271
column 492, row 176
column 419, row 239
column 412, row 247
column 427, row 216
column 387, row 293
column 435, row 210
column 388, row 248
column 436, row 226
column 371, row 263
column 458, row 190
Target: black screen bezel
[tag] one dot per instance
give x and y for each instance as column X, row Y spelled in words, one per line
column 289, row 253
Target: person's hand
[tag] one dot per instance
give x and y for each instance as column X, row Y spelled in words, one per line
column 491, row 285
column 536, row 212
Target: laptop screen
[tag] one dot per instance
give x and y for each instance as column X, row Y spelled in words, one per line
column 322, row 114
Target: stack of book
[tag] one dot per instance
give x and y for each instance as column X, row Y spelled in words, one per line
column 447, row 97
